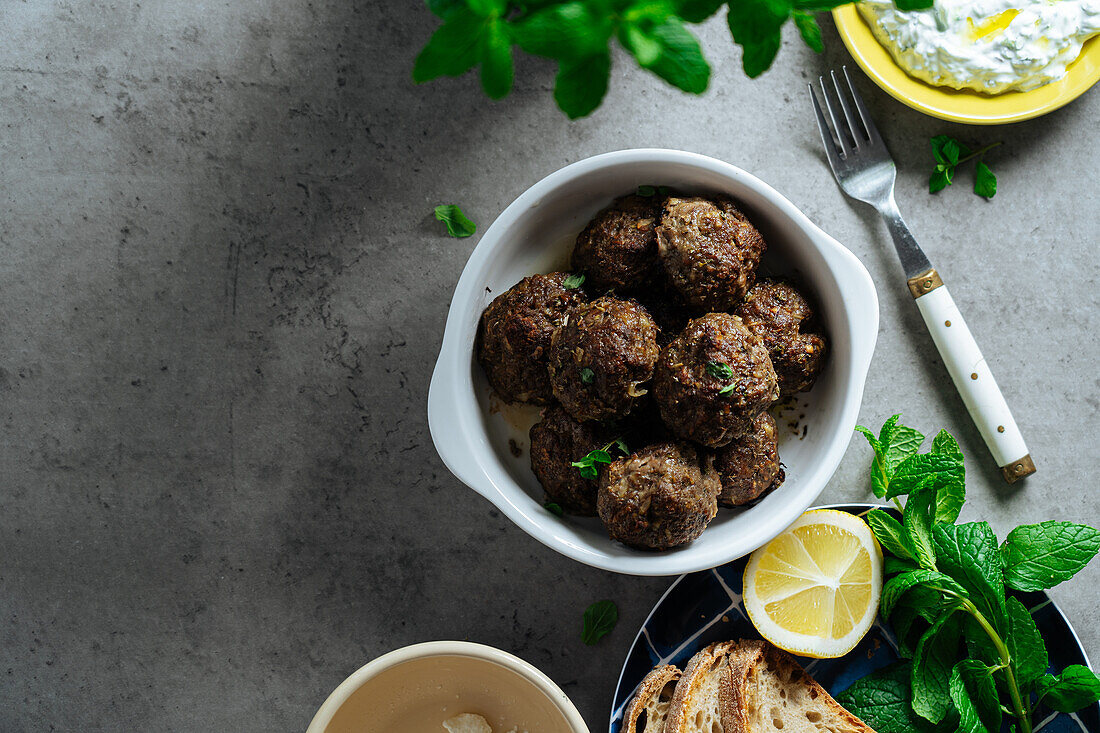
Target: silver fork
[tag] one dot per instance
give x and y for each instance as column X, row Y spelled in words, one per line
column 865, row 171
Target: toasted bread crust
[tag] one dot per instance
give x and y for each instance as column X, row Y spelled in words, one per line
column 750, row 654
column 689, row 686
column 648, row 692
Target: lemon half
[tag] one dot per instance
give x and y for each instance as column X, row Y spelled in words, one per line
column 814, row 589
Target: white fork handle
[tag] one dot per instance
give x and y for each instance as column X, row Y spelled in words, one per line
column 972, row 377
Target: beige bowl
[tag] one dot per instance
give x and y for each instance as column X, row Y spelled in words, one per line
column 416, row 688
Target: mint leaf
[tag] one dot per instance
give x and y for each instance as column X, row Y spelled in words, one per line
column 1025, row 644
column 1040, row 556
column 913, row 4
column 456, row 222
column 566, row 31
column 1076, row 687
column 756, row 26
column 497, row 72
column 898, row 442
column 554, row 509
column 696, row 11
column 945, row 150
column 898, row 586
column 968, row 553
column 581, row 84
column 572, row 281
column 917, row 521
column 809, row 30
column 599, row 619
column 892, row 565
column 680, row 61
column 882, row 700
column 587, row 375
column 933, row 662
column 889, row 533
column 940, row 178
column 487, row 8
column 975, row 695
column 444, row 8
column 936, row 468
column 453, row 49
column 985, row 183
column 944, row 442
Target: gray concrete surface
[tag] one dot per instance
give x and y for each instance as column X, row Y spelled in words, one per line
column 223, row 291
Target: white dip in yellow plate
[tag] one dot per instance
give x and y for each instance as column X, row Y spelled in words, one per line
column 989, row 46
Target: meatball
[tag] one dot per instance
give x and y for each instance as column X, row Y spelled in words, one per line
column 601, row 357
column 618, row 249
column 713, row 380
column 514, row 336
column 749, row 465
column 557, row 440
column 662, row 496
column 709, row 250
column 778, row 313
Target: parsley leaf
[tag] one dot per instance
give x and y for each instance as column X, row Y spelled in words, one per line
column 572, row 281
column 719, row 369
column 554, row 508
column 1040, row 556
column 587, row 375
column 457, row 223
column 589, row 465
column 599, row 619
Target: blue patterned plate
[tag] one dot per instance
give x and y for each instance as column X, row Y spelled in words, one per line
column 705, row 607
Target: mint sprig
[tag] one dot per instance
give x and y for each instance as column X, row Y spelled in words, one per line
column 577, row 34
column 949, row 154
column 973, row 651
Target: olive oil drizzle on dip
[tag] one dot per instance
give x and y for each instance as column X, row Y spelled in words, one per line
column 990, row 46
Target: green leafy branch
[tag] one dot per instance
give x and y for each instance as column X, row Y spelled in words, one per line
column 968, row 645
column 578, row 34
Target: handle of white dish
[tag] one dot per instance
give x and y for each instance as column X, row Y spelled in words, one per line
column 972, row 377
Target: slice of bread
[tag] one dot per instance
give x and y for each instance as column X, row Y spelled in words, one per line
column 771, row 692
column 649, row 708
column 703, row 699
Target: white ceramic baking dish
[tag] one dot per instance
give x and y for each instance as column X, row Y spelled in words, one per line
column 472, row 428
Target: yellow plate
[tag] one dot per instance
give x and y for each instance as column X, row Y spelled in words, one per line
column 962, row 106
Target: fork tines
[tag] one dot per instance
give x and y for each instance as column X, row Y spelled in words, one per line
column 849, row 133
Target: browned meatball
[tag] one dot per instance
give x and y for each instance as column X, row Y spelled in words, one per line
column 662, row 496
column 749, row 466
column 618, row 249
column 514, row 336
column 709, row 250
column 557, row 440
column 779, row 315
column 602, row 357
column 713, row 380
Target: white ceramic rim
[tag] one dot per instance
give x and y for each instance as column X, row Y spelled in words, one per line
column 450, row 396
column 425, row 649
